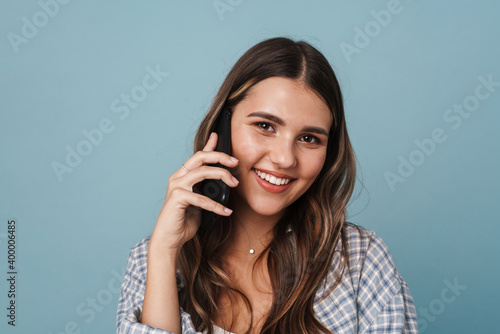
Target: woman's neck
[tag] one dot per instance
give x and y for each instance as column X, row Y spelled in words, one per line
column 250, row 231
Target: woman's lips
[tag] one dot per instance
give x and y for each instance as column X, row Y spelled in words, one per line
column 276, row 174
column 273, row 188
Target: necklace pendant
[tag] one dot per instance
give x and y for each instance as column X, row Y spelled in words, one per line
column 252, row 251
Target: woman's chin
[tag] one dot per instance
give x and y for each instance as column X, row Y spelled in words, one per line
column 260, row 206
column 267, row 210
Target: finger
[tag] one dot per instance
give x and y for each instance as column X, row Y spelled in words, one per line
column 206, row 172
column 211, row 143
column 201, row 158
column 189, row 198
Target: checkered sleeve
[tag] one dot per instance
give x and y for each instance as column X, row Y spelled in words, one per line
column 132, row 296
column 385, row 304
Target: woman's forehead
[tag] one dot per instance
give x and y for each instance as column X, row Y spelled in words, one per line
column 287, row 99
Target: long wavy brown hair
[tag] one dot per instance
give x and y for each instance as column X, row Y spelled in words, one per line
column 298, row 262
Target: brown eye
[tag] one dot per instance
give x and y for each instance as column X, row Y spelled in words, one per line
column 311, row 139
column 263, row 125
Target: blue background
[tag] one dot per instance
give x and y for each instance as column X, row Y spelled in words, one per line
column 74, row 233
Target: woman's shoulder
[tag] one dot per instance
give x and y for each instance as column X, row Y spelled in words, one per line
column 371, row 267
column 369, row 285
column 363, row 245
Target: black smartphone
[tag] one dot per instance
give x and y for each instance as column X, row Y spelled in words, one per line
column 217, row 189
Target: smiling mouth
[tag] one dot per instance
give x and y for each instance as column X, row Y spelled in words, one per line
column 272, row 179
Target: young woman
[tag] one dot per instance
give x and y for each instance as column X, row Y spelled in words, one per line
column 284, row 259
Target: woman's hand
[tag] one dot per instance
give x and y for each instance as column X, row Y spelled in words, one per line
column 180, row 216
column 178, row 221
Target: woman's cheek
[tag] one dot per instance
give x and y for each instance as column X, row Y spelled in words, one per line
column 316, row 163
column 250, row 146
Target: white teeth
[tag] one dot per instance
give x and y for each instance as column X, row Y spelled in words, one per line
column 271, row 178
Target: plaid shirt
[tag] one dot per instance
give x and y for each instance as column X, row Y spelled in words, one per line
column 371, row 298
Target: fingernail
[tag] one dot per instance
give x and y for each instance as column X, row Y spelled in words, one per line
column 233, row 159
column 228, row 210
column 235, row 180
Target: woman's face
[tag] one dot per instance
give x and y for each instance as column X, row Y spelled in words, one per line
column 280, row 129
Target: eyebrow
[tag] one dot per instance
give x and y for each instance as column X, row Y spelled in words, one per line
column 281, row 122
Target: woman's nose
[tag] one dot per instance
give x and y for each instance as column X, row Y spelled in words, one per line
column 282, row 153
